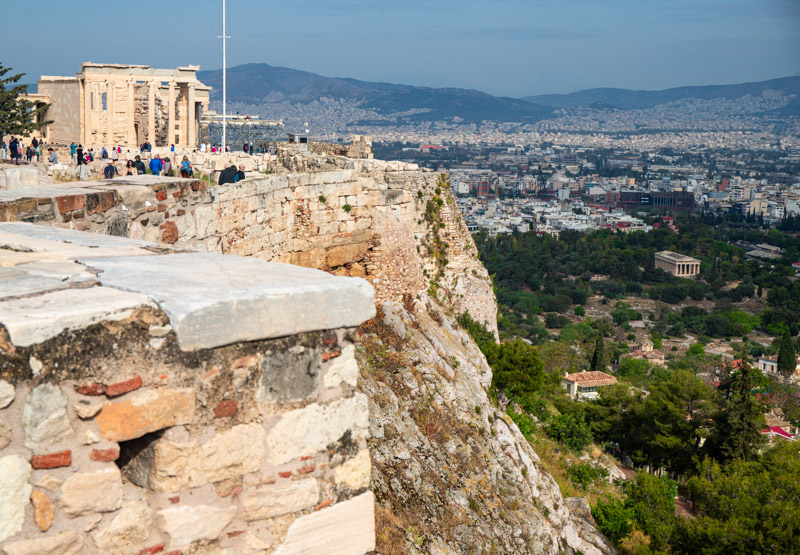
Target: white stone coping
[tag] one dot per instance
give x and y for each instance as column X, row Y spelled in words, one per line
column 214, row 300
column 59, row 279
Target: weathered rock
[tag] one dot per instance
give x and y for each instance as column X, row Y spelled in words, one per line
column 271, row 501
column 50, row 483
column 5, row 434
column 300, row 432
column 6, row 394
column 344, row 368
column 86, row 409
column 43, row 510
column 66, row 543
column 289, row 376
column 92, row 492
column 344, row 528
column 130, row 527
column 354, row 473
column 185, row 524
column 229, row 454
column 14, row 494
column 44, row 417
column 146, row 412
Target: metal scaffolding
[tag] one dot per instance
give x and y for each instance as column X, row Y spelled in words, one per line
column 240, row 130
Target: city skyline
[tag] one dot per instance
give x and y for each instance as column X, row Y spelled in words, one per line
column 508, row 48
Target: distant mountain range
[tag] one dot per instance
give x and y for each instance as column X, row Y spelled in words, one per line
column 259, row 83
column 625, row 99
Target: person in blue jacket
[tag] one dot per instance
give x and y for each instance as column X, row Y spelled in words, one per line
column 155, row 165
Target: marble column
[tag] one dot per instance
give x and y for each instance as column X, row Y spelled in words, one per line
column 171, row 116
column 191, row 140
column 87, row 112
column 151, row 113
column 111, row 98
column 131, row 115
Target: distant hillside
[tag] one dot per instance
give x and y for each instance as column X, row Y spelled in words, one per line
column 258, row 83
column 632, row 100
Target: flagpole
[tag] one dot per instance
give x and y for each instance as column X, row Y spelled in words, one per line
column 224, row 38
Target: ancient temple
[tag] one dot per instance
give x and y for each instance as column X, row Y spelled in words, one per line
column 110, row 104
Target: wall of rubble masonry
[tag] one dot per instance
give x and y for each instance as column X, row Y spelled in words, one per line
column 354, row 217
column 171, row 402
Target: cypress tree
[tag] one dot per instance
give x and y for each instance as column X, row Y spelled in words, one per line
column 598, row 357
column 741, row 419
column 787, row 360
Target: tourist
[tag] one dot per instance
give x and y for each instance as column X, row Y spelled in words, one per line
column 139, row 165
column 115, row 154
column 38, row 150
column 240, row 174
column 13, row 146
column 172, row 148
column 202, row 147
column 109, row 171
column 79, row 155
column 245, row 148
column 34, row 142
column 53, row 158
column 29, row 153
column 186, row 167
column 3, row 155
column 130, row 169
column 103, row 154
column 72, row 148
column 156, row 165
column 167, row 169
column 228, row 175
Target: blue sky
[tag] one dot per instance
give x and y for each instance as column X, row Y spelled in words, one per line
column 505, row 47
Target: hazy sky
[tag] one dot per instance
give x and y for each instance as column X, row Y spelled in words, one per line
column 505, row 47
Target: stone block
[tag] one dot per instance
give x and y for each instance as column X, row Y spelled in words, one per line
column 17, row 178
column 145, row 412
column 92, row 492
column 43, row 510
column 66, row 543
column 277, row 500
column 69, row 203
column 44, row 417
column 6, row 394
column 104, row 455
column 205, row 294
column 229, row 454
column 130, row 527
column 344, row 368
column 33, row 320
column 354, row 473
column 300, row 432
column 289, row 376
column 86, row 409
column 185, row 524
column 342, row 529
column 14, row 494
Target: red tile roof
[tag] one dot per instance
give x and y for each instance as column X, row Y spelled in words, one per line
column 588, row 379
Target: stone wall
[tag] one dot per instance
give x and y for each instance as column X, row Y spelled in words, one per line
column 183, row 402
column 64, row 111
column 392, row 223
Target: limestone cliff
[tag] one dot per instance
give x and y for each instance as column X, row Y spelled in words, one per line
column 451, row 473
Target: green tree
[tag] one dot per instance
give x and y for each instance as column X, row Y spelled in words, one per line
column 674, row 418
column 652, row 499
column 740, row 419
column 787, row 361
column 517, row 369
column 599, row 362
column 614, row 519
column 571, row 431
column 17, row 115
column 745, row 507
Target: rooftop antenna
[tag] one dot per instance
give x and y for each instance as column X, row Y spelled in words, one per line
column 224, row 38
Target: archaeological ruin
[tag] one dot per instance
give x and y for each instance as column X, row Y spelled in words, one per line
column 120, row 104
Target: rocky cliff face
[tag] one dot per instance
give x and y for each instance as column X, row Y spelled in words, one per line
column 451, row 473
